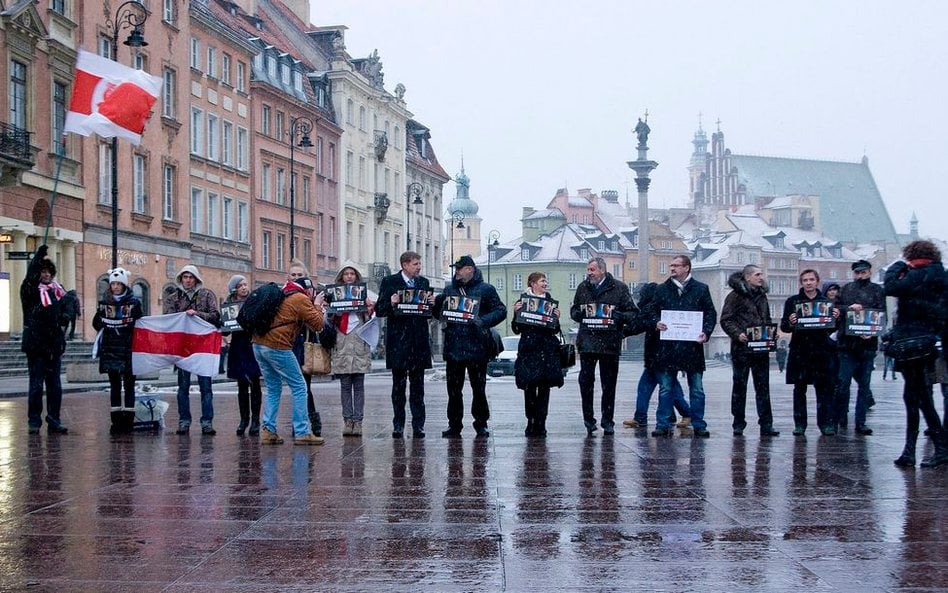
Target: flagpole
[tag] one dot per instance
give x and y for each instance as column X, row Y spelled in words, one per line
column 52, row 201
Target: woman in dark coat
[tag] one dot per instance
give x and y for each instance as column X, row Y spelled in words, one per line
column 810, row 360
column 919, row 284
column 115, row 319
column 241, row 364
column 538, row 360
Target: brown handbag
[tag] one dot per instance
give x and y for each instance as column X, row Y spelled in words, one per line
column 316, row 359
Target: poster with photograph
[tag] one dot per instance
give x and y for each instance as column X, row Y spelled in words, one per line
column 537, row 311
column 683, row 326
column 762, row 338
column 598, row 316
column 817, row 314
column 868, row 322
column 229, row 317
column 116, row 315
column 460, row 309
column 414, row 301
column 347, row 298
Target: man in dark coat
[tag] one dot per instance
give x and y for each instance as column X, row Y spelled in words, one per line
column 681, row 292
column 466, row 345
column 407, row 343
column 856, row 353
column 43, row 341
column 745, row 307
column 601, row 306
column 809, row 361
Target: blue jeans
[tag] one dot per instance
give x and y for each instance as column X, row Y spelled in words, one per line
column 277, row 367
column 184, row 399
column 647, row 383
column 854, row 365
column 666, row 380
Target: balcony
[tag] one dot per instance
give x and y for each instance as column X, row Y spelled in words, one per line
column 16, row 154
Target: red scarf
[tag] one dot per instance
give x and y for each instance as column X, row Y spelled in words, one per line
column 58, row 291
column 919, row 263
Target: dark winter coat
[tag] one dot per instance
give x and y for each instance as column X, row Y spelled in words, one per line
column 469, row 342
column 407, row 337
column 241, row 363
column 744, row 307
column 42, row 326
column 675, row 355
column 609, row 292
column 650, row 344
column 538, row 355
column 116, row 320
column 922, row 297
column 862, row 292
column 812, row 355
column 203, row 300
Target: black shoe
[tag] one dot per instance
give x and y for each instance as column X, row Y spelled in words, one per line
column 528, row 431
column 241, row 428
column 254, row 428
column 940, row 457
column 590, row 431
column 905, row 461
column 418, row 433
column 828, row 431
column 482, row 431
column 608, row 432
column 316, row 424
column 701, row 433
column 871, row 402
column 799, row 431
column 33, row 430
column 183, row 429
column 863, row 430
column 208, row 430
column 662, row 432
column 397, row 434
column 768, row 431
column 56, row 429
column 738, row 432
column 451, row 433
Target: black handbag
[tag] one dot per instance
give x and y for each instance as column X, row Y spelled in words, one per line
column 567, row 353
column 495, row 344
column 912, row 347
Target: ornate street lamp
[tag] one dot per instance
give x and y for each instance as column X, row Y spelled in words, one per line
column 414, row 189
column 129, row 15
column 493, row 241
column 299, row 126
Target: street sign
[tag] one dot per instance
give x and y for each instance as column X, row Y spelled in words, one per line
column 20, row 255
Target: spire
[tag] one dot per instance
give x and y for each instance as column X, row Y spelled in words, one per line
column 463, row 202
column 700, row 140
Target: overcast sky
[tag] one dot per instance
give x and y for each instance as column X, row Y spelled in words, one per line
column 543, row 95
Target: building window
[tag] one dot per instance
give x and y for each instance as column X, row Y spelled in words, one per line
column 18, row 94
column 349, row 158
column 265, row 120
column 139, row 176
column 265, row 182
column 167, row 192
column 331, row 172
column 362, row 117
column 319, row 156
column 225, row 68
column 195, row 53
column 243, row 222
column 197, row 131
column 572, row 281
column 242, row 148
column 281, row 186
column 168, row 95
column 280, row 126
column 213, row 214
column 105, row 173
column 280, row 248
column 105, row 47
column 349, row 109
column 241, row 76
column 331, row 247
column 319, row 232
column 616, row 271
column 525, row 254
column 59, row 116
column 197, row 209
column 362, row 173
column 500, row 283
column 602, row 245
column 285, row 74
column 517, row 281
column 167, row 11
column 213, row 137
column 663, row 268
column 58, row 6
column 212, row 62
column 227, row 143
column 140, row 61
column 307, row 253
column 631, row 264
column 265, row 250
column 304, row 206
column 272, row 68
column 298, row 81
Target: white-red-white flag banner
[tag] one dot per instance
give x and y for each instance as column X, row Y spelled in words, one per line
column 110, row 99
column 176, row 339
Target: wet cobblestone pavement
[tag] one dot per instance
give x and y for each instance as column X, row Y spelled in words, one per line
column 86, row 512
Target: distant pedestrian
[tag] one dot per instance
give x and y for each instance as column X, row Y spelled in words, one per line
column 44, row 341
column 781, row 355
column 242, row 365
column 888, row 363
column 115, row 318
column 71, row 311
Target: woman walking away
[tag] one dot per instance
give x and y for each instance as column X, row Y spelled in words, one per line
column 351, row 356
column 115, row 318
column 538, row 360
column 241, row 364
column 919, row 284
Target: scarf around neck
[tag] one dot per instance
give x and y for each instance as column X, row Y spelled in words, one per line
column 57, row 290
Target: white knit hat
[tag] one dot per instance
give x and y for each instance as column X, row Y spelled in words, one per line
column 119, row 275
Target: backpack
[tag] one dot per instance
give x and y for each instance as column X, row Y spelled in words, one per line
column 259, row 310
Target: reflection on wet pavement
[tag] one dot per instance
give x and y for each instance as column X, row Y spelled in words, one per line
column 162, row 512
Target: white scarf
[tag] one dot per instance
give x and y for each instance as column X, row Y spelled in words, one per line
column 58, row 291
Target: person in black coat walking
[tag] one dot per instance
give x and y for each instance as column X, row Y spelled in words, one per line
column 407, row 341
column 810, row 360
column 919, row 282
column 115, row 318
column 601, row 306
column 241, row 364
column 43, row 341
column 681, row 292
column 467, row 342
column 538, row 359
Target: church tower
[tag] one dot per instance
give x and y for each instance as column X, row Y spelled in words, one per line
column 698, row 168
column 462, row 211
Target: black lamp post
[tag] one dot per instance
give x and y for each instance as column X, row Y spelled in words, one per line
column 492, row 242
column 414, row 189
column 457, row 222
column 299, row 126
column 129, row 15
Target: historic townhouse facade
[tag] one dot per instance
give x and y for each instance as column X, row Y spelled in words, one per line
column 426, row 179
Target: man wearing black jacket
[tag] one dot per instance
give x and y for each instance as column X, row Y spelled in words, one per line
column 466, row 343
column 601, row 306
column 856, row 353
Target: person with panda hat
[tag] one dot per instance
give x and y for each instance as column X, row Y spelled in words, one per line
column 115, row 319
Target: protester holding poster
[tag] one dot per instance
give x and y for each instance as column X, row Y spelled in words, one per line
column 810, row 360
column 241, row 364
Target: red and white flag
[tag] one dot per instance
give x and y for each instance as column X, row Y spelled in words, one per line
column 176, row 339
column 110, row 99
